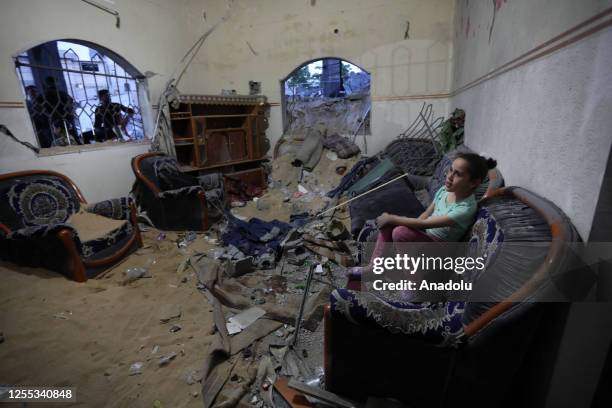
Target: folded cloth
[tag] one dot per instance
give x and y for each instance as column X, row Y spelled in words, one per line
column 343, row 147
column 246, row 236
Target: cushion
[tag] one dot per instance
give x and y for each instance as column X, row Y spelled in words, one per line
column 91, row 226
column 37, row 200
column 394, row 198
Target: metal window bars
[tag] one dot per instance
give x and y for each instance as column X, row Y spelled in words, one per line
column 62, row 98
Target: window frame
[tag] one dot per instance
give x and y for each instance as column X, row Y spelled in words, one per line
column 137, row 98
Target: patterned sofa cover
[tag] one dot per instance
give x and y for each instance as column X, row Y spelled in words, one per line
column 41, row 216
column 434, row 354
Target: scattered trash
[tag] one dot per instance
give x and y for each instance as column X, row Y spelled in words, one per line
column 232, row 328
column 238, row 204
column 182, row 266
column 216, row 253
column 136, row 368
column 297, row 256
column 331, row 155
column 340, row 170
column 302, row 189
column 189, row 237
column 164, row 360
column 193, row 376
column 297, row 194
column 280, row 333
column 132, row 274
column 62, row 315
column 175, row 328
column 319, row 269
column 155, row 349
column 244, row 319
column 336, row 231
column 169, row 312
column 161, row 236
column 195, row 394
column 239, row 267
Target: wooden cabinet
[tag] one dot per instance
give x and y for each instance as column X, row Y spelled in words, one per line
column 212, row 131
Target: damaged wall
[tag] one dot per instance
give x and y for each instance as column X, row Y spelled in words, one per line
column 264, row 42
column 546, row 122
column 151, row 38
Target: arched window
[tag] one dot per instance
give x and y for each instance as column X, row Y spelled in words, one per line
column 328, row 91
column 80, row 93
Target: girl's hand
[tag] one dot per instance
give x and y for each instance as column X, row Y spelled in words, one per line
column 384, row 220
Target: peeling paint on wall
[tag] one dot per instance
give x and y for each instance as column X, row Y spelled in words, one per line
column 497, row 5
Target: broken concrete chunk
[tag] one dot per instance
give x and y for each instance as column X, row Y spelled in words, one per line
column 169, row 312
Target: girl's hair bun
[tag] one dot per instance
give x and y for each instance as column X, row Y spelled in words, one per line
column 491, row 163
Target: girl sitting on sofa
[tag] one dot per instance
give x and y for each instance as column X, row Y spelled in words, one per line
column 449, row 216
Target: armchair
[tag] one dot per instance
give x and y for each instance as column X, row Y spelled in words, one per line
column 45, row 221
column 476, row 352
column 172, row 199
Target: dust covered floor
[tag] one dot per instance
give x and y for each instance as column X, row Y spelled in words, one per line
column 105, row 338
column 87, row 335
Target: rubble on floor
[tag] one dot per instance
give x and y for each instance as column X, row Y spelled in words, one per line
column 256, row 304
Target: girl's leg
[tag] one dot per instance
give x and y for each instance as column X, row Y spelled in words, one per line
column 354, row 274
column 407, row 234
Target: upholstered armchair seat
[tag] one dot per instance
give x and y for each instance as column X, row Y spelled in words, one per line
column 172, row 200
column 45, row 221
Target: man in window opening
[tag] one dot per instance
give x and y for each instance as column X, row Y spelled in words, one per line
column 55, row 119
column 110, row 121
column 34, row 103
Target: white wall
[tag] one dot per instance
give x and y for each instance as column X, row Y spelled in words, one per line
column 155, row 34
column 151, row 38
column 547, row 122
column 286, row 34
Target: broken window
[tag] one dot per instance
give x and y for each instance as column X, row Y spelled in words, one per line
column 79, row 93
column 329, row 93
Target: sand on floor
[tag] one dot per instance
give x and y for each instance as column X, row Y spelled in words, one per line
column 87, row 335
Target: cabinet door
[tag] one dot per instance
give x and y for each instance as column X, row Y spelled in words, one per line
column 216, row 148
column 238, row 148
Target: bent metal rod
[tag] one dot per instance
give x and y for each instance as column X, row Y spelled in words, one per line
column 360, row 195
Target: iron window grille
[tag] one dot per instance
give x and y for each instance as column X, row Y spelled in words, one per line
column 62, row 95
